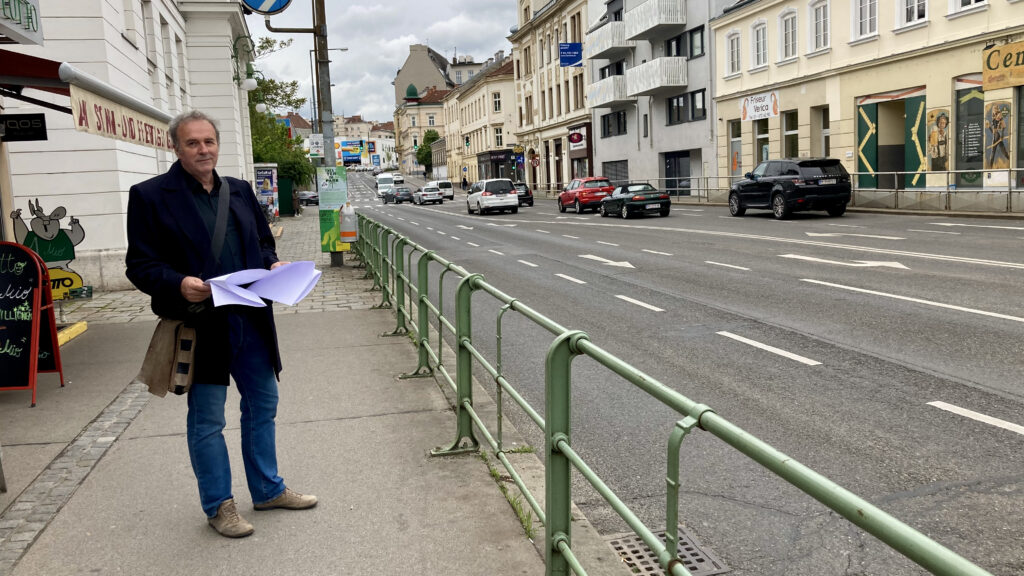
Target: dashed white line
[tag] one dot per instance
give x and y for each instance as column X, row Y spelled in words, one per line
column 978, row 416
column 543, row 231
column 726, row 265
column 430, row 228
column 456, row 238
column 473, row 245
column 414, row 223
column 400, row 218
column 530, row 264
column 571, row 279
column 917, row 300
column 933, row 231
column 656, row 252
column 771, row 349
column 441, row 232
column 639, row 303
column 572, row 237
column 606, row 243
column 496, row 252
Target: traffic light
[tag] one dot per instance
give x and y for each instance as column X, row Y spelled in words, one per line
column 467, row 141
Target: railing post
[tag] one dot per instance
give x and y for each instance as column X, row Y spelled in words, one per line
column 399, row 260
column 423, row 368
column 463, row 369
column 385, row 268
column 557, row 469
column 675, row 441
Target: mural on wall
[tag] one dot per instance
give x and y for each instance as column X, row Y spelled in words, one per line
column 55, row 245
column 997, row 135
column 938, row 140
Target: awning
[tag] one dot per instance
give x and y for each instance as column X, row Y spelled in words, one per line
column 96, row 107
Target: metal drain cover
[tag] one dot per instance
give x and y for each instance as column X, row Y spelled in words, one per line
column 639, row 558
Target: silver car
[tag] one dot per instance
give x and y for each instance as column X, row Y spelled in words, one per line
column 494, row 195
column 426, row 194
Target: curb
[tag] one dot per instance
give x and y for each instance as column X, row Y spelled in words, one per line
column 70, row 332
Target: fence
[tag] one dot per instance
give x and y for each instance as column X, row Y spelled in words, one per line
column 388, row 257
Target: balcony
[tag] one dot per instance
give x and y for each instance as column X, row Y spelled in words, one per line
column 655, row 20
column 608, row 42
column 659, row 76
column 608, row 93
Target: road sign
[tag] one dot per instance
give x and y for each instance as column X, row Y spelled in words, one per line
column 266, row 7
column 535, row 162
column 316, row 145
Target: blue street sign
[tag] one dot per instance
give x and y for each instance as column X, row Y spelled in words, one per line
column 267, row 7
column 570, row 54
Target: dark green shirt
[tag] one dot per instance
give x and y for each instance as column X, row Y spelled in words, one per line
column 231, row 253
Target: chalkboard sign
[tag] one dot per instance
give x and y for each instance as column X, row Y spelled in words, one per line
column 28, row 329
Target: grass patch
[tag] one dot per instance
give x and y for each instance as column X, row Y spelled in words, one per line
column 523, row 511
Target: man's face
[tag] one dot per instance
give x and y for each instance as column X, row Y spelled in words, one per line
column 197, row 148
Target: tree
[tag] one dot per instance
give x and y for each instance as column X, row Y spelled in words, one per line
column 270, row 141
column 424, row 155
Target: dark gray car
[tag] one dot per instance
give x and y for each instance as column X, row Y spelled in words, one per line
column 793, row 185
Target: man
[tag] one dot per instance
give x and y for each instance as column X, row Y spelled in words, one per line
column 171, row 222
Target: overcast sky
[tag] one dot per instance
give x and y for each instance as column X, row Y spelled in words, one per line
column 378, row 35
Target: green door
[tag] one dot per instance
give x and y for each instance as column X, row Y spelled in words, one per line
column 914, row 157
column 285, row 186
column 867, row 146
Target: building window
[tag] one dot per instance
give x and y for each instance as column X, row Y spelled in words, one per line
column 697, row 108
column 788, row 35
column 430, row 119
column 790, row 134
column 826, row 133
column 733, row 51
column 760, row 140
column 613, row 69
column 759, row 48
column 496, row 98
column 458, row 76
column 819, row 31
column 696, row 42
column 865, row 18
column 616, row 171
column 959, row 5
column 677, row 109
column 645, row 125
column 613, row 124
column 499, row 139
column 735, row 147
column 529, row 109
column 470, row 73
column 913, row 12
column 543, row 108
column 540, row 50
column 675, row 46
column 558, row 99
column 686, row 107
column 412, row 119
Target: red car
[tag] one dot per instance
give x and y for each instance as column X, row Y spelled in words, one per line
column 584, row 194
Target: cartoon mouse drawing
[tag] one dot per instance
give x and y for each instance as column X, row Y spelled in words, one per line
column 54, row 244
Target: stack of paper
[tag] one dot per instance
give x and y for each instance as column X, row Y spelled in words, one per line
column 286, row 284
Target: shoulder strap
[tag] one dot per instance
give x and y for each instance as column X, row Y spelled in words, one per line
column 221, row 225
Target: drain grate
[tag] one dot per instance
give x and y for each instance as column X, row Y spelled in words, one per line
column 639, row 558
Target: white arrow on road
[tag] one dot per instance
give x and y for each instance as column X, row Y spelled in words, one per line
column 855, row 263
column 978, row 226
column 861, row 235
column 622, row 264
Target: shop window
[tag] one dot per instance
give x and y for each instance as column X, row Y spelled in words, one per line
column 970, row 136
column 790, row 134
column 735, row 148
column 1019, row 174
column 760, row 140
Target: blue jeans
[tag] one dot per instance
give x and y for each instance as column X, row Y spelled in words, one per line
column 254, row 375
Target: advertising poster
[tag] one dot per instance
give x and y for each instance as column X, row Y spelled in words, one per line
column 760, row 106
column 350, row 151
column 997, row 135
column 266, row 187
column 938, row 140
column 333, row 195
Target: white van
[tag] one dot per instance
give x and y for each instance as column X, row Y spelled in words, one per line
column 447, row 190
column 385, row 178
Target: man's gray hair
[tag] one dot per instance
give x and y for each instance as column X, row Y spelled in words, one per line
column 190, row 116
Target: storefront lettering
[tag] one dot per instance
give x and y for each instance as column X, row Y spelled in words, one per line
column 9, row 349
column 992, row 62
column 21, row 313
column 8, row 266
column 22, row 12
column 14, row 293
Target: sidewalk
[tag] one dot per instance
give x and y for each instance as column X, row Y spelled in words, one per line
column 99, row 478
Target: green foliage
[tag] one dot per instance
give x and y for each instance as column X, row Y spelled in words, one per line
column 423, row 154
column 270, row 143
column 277, row 95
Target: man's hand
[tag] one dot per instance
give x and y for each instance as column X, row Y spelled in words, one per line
column 277, row 264
column 194, row 290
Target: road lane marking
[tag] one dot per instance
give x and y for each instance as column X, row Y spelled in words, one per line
column 726, row 265
column 496, row 252
column 638, row 303
column 828, row 234
column 464, row 227
column 570, row 278
column 400, row 218
column 623, row 264
column 846, row 225
column 917, row 300
column 933, row 231
column 441, row 232
column 771, row 349
column 691, row 209
column 855, row 263
column 456, row 238
column 543, row 231
column 414, row 223
column 656, row 252
column 429, row 228
column 530, row 264
column 978, row 416
column 606, row 243
column 571, row 237
column 977, row 226
column 473, row 245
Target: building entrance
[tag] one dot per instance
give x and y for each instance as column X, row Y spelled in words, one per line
column 892, row 140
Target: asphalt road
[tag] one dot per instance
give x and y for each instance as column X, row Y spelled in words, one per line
column 883, row 351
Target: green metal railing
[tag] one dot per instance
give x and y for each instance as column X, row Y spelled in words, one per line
column 388, row 255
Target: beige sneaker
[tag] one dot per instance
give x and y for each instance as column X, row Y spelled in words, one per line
column 289, row 500
column 229, row 522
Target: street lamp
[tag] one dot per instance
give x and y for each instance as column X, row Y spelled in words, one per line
column 315, row 106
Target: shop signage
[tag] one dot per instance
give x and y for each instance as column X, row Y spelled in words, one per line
column 266, row 7
column 570, row 54
column 20, row 21
column 518, row 149
column 1003, row 66
column 95, row 114
column 760, row 106
column 22, row 127
column 578, row 138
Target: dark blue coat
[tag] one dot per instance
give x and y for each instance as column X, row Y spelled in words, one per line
column 167, row 241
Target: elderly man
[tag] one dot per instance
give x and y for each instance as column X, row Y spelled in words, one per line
column 172, row 231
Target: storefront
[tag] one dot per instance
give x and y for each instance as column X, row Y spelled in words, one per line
column 580, row 151
column 496, row 164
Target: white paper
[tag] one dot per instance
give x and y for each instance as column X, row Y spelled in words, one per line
column 287, row 284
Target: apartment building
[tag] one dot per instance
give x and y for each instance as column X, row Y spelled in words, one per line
column 140, row 62
column 650, row 92
column 419, row 112
column 912, row 95
column 552, row 120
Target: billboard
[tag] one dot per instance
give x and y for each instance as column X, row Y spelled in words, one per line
column 351, row 150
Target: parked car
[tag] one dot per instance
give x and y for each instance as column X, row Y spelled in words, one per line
column 525, row 194
column 401, row 194
column 446, row 188
column 497, row 194
column 634, row 199
column 793, row 185
column 308, row 197
column 584, row 194
column 399, row 179
column 426, row 194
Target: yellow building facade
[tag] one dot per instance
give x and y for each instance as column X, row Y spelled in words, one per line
column 896, row 90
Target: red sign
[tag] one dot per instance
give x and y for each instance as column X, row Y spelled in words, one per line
column 535, row 162
column 575, row 137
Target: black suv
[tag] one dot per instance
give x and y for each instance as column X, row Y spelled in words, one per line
column 793, row 185
column 525, row 194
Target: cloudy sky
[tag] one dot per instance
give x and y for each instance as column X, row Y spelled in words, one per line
column 377, row 35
